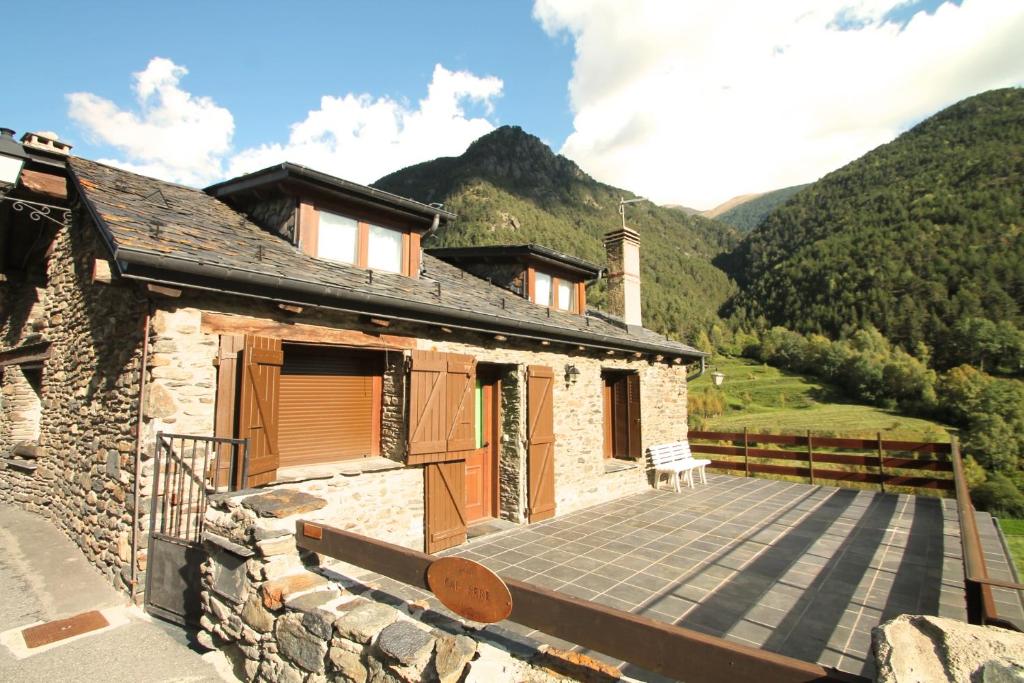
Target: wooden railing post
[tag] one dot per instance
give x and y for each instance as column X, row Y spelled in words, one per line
column 881, row 463
column 746, row 453
column 810, row 456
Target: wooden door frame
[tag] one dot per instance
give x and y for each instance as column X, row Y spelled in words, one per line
column 489, row 375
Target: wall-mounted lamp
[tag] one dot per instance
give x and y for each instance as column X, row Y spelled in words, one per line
column 571, row 374
column 717, row 377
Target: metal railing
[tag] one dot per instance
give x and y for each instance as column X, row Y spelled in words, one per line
column 885, row 463
column 186, row 470
column 669, row 650
column 981, row 606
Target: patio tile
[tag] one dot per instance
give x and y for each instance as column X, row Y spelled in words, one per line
column 632, row 561
column 564, row 573
column 596, row 582
column 536, row 564
column 633, row 595
column 614, row 571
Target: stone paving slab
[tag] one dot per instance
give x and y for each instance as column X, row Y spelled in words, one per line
column 802, row 570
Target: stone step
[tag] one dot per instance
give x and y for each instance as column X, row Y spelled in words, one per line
column 18, row 464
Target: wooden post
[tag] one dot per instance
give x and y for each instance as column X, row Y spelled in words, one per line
column 746, row 453
column 810, row 456
column 881, row 463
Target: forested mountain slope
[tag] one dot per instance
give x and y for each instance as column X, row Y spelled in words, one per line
column 510, row 188
column 914, row 237
column 747, row 215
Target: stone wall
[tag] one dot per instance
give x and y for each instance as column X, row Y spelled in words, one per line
column 89, row 397
column 285, row 616
column 580, row 466
column 22, row 404
column 182, row 393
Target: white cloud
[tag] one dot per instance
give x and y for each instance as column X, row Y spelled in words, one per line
column 361, row 138
column 173, row 135
column 185, row 138
column 694, row 103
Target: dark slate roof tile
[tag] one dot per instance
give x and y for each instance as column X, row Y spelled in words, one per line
column 156, row 217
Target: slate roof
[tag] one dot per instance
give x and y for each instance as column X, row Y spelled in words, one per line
column 180, row 235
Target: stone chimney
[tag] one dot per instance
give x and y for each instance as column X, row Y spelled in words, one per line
column 623, row 247
column 46, row 142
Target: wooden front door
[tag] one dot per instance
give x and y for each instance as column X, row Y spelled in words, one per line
column 482, row 463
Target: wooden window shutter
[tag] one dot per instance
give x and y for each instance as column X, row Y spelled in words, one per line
column 445, row 505
column 231, row 346
column 633, row 399
column 461, row 408
column 258, row 394
column 428, row 391
column 540, row 428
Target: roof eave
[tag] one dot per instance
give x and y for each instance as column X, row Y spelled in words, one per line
column 149, row 266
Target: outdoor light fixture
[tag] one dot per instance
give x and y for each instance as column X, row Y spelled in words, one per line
column 717, row 377
column 571, row 374
column 12, row 159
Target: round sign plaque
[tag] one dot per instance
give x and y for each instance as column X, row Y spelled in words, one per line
column 469, row 589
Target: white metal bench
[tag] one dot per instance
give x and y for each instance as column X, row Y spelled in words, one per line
column 675, row 461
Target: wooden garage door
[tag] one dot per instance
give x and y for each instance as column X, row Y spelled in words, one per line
column 330, row 404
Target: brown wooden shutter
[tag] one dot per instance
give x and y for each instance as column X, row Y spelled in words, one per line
column 461, row 404
column 261, row 362
column 231, row 346
column 620, row 411
column 633, row 399
column 540, row 428
column 428, row 390
column 445, row 505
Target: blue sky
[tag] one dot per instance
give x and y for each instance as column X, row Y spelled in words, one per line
column 683, row 102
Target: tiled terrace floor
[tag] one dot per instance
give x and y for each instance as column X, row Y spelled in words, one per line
column 803, row 570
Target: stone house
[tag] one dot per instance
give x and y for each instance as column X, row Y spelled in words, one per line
column 419, row 391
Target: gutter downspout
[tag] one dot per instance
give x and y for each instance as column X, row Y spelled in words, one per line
column 138, row 451
column 696, row 375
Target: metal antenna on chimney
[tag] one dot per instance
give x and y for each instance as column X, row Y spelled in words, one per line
column 622, row 207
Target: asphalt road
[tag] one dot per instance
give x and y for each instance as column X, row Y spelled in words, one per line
column 43, row 576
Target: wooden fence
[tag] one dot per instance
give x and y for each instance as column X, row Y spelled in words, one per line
column 829, row 460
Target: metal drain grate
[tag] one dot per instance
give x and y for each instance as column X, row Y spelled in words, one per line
column 52, row 631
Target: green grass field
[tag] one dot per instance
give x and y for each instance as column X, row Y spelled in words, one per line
column 1013, row 529
column 762, row 398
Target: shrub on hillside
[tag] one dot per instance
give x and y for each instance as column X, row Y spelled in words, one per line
column 998, row 496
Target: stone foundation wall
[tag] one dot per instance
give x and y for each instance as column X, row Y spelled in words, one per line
column 89, row 397
column 285, row 616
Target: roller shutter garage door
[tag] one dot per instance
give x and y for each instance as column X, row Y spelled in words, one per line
column 330, row 404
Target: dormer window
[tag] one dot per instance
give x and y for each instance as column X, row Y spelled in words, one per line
column 554, row 292
column 338, row 237
column 541, row 275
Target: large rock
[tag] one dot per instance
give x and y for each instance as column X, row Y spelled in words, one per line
column 361, row 620
column 924, row 648
column 348, row 664
column 298, row 645
column 407, row 644
column 452, row 653
column 274, row 592
column 283, row 503
column 256, row 615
